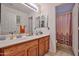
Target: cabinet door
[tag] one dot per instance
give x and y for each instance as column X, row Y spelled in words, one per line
column 41, row 46
column 31, row 48
column 14, row 50
column 20, row 53
column 16, row 53
column 10, row 51
column 46, row 44
column 33, row 51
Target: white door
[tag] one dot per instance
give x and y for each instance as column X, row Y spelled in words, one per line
column 75, row 29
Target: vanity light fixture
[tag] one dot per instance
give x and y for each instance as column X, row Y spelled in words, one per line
column 31, row 6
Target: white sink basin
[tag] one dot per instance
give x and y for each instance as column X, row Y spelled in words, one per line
column 2, row 37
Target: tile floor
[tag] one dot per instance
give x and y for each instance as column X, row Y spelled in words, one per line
column 61, row 51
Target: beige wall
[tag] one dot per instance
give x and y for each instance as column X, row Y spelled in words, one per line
column 49, row 9
column 52, row 26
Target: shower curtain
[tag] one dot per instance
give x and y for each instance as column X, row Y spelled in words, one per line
column 63, row 28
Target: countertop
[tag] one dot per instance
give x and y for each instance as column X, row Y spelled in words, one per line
column 9, row 42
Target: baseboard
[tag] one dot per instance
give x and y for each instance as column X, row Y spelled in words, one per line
column 52, row 51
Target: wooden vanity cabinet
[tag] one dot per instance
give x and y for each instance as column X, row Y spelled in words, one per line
column 43, row 45
column 35, row 47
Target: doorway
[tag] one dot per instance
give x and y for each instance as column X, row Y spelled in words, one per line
column 64, row 26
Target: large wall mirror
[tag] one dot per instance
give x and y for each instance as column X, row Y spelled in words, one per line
column 14, row 21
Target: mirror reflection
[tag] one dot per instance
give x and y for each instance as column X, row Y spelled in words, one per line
column 17, row 20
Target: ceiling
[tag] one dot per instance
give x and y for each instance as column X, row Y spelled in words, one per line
column 19, row 6
column 64, row 8
column 48, row 4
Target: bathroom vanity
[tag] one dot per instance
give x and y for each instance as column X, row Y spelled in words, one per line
column 37, row 45
column 33, row 41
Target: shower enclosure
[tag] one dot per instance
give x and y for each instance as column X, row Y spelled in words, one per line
column 64, row 24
